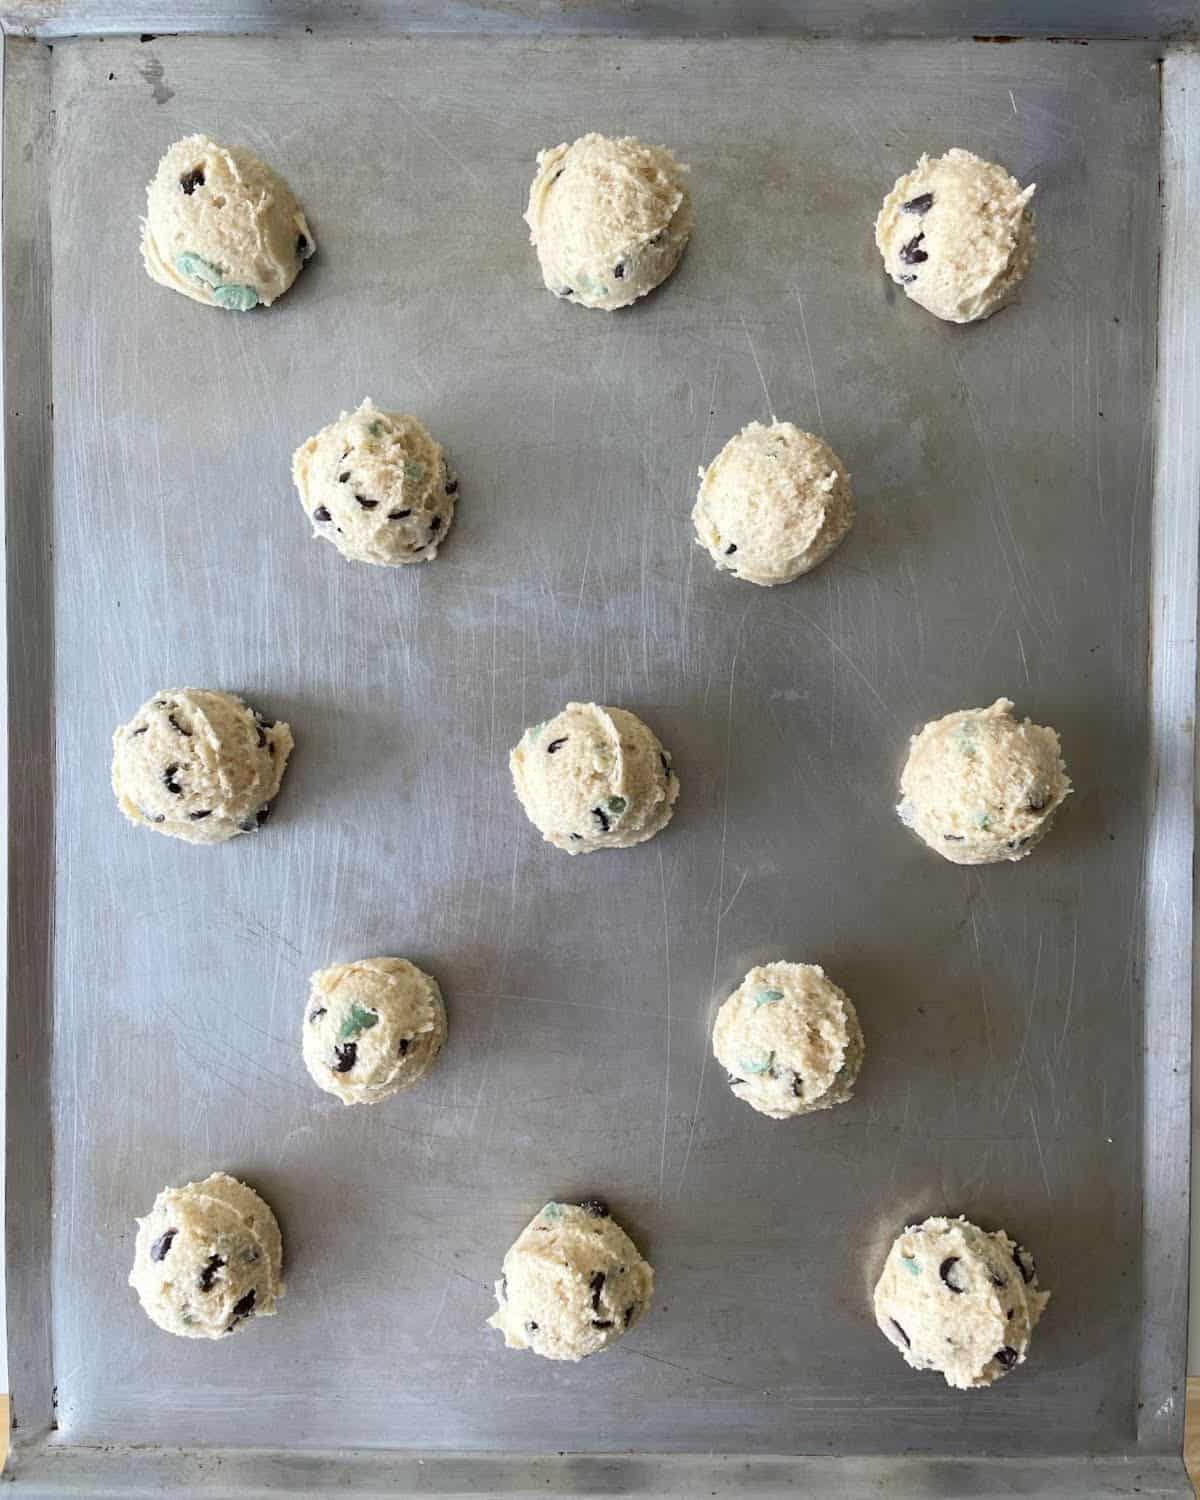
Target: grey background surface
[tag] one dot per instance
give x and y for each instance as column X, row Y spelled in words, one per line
column 1003, row 481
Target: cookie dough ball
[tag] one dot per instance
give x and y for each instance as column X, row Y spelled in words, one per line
column 221, row 227
column 958, row 236
column 572, row 1283
column 957, row 1299
column 609, row 219
column 789, row 1040
column 979, row 787
column 372, row 1028
column 594, row 778
column 201, row 766
column 376, row 485
column 208, row 1258
column 774, row 503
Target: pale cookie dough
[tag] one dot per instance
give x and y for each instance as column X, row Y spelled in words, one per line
column 959, row 1300
column 774, row 503
column 221, row 227
column 979, row 787
column 958, row 235
column 609, row 219
column 208, row 1258
column 197, row 765
column 572, row 1283
column 372, row 1028
column 594, row 778
column 789, row 1039
column 375, row 484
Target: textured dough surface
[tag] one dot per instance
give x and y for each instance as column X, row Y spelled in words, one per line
column 956, row 1299
column 573, row 1282
column 609, row 219
column 789, row 1039
column 208, row 1258
column 774, row 503
column 198, row 765
column 372, row 1028
column 222, row 227
column 957, row 234
column 594, row 778
column 375, row 484
column 979, row 787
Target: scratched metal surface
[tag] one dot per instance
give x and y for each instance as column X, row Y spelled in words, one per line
column 1003, row 482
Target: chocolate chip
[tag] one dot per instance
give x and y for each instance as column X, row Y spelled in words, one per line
column 577, row 836
column 619, row 270
column 531, row 1327
column 315, row 1015
column 557, row 744
column 399, row 515
column 997, row 1280
column 905, row 280
column 912, row 254
column 731, row 549
column 597, row 1286
column 261, row 816
column 435, row 523
column 602, row 1322
column 564, row 291
column 322, row 515
column 556, row 176
column 798, row 1085
column 921, row 204
column 190, row 181
column 1009, row 1313
column 208, row 1272
column 631, row 1312
column 452, row 486
column 1036, row 804
column 366, row 503
column 946, row 1270
column 142, row 730
column 954, row 838
column 1019, row 843
column 733, row 1080
column 162, row 1244
column 405, row 1043
column 503, row 1287
column 168, row 780
column 177, row 726
column 196, row 816
column 601, row 817
column 1020, row 1255
column 345, row 1055
column 262, row 738
column 665, row 763
column 901, row 1332
column 301, row 243
column 242, row 1308
column 344, row 477
column 1006, row 1356
column 596, row 1207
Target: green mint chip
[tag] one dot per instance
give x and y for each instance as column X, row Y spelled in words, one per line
column 236, row 298
column 748, row 1066
column 765, row 997
column 358, row 1021
column 616, row 804
column 188, row 263
column 910, row 1264
column 414, row 470
column 552, row 1211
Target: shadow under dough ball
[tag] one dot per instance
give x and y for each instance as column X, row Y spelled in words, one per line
column 594, row 778
column 572, row 1283
column 957, row 234
column 372, row 1028
column 198, row 765
column 773, row 504
column 222, row 227
column 208, row 1259
column 957, row 1299
column 979, row 787
column 789, row 1040
column 609, row 219
column 376, row 484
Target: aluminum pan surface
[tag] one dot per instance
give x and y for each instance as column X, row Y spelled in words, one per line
column 1003, row 480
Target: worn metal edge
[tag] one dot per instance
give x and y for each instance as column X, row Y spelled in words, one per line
column 1168, row 880
column 59, row 1472
column 29, row 624
column 995, row 19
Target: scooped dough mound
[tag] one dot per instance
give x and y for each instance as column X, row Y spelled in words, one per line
column 979, row 787
column 197, row 765
column 208, row 1259
column 594, row 778
column 789, row 1039
column 222, row 227
column 609, row 219
column 372, row 1028
column 958, row 235
column 959, row 1300
column 375, row 484
column 572, row 1284
column 774, row 503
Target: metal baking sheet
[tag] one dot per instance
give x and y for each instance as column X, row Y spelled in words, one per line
column 1004, row 478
